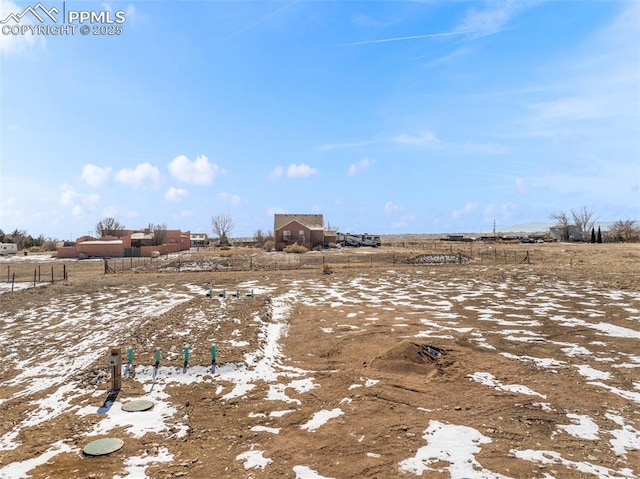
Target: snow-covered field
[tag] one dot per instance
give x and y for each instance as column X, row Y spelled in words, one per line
column 54, row 369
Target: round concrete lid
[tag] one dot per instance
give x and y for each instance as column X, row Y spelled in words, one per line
column 137, row 405
column 102, row 447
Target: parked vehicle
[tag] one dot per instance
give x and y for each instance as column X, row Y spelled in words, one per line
column 8, row 248
column 370, row 240
column 352, row 240
column 349, row 239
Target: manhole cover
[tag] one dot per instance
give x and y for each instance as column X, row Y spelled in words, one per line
column 137, row 405
column 102, row 447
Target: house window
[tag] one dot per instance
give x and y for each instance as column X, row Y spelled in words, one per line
column 286, row 235
column 301, row 235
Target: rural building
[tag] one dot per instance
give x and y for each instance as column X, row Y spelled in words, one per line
column 129, row 243
column 305, row 230
column 199, row 239
column 565, row 233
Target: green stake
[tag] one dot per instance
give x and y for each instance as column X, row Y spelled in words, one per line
column 130, row 355
column 186, row 355
column 157, row 356
column 213, row 354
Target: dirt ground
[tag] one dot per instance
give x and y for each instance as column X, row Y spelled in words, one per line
column 540, row 358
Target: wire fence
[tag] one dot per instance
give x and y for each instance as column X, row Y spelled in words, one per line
column 41, row 273
column 32, row 273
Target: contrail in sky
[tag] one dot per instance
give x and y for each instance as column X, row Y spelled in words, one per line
column 413, row 37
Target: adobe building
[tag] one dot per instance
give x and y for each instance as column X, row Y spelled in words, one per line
column 128, row 243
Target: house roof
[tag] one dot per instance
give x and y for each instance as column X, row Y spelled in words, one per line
column 198, row 236
column 101, row 242
column 310, row 228
column 141, row 236
column 310, row 221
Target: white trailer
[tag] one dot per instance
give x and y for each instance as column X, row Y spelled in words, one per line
column 8, row 248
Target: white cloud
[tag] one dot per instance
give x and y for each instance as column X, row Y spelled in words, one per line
column 403, row 222
column 130, row 13
column 597, row 98
column 501, row 212
column 229, row 198
column 300, row 171
column 113, row 211
column 79, row 203
column 353, row 144
column 468, row 208
column 276, row 210
column 175, row 194
column 390, row 207
column 494, row 17
column 94, row 175
column 142, row 173
column 359, row 167
column 15, row 44
column 522, row 185
column 424, row 138
column 77, row 210
column 277, row 172
column 197, row 172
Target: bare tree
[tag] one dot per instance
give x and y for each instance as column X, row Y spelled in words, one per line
column 584, row 219
column 625, row 230
column 109, row 227
column 20, row 238
column 258, row 237
column 563, row 220
column 222, row 226
column 331, row 227
column 159, row 234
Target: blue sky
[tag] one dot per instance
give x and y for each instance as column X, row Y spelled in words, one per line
column 387, row 117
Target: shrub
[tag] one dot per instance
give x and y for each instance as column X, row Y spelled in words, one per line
column 225, row 253
column 295, row 248
column 269, row 245
column 332, row 245
column 326, row 269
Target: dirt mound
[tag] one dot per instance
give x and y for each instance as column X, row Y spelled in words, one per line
column 409, row 357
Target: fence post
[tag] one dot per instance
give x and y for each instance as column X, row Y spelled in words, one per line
column 39, row 279
column 13, row 281
column 64, row 272
column 8, row 276
column 52, row 275
column 35, row 271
